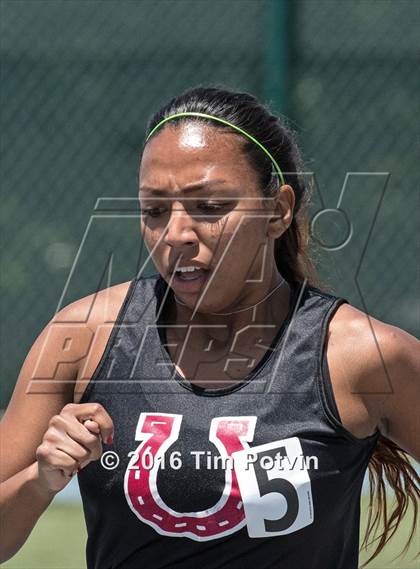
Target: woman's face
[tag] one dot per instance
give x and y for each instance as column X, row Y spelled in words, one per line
column 202, row 206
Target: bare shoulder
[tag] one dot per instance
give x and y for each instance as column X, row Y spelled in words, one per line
column 372, row 366
column 371, row 348
column 96, row 308
column 48, row 376
column 96, row 315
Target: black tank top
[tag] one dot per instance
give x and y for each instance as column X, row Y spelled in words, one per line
column 261, row 473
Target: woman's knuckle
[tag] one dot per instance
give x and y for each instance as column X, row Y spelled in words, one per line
column 43, row 451
column 53, row 421
column 49, row 436
column 40, row 451
column 96, row 408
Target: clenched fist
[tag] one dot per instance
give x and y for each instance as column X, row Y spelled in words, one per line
column 72, row 440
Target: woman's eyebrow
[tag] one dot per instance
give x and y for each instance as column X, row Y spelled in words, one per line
column 188, row 188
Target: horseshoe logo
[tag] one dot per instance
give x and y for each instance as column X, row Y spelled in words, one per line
column 157, row 432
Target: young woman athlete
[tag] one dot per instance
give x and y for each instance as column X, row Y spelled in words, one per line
column 234, row 402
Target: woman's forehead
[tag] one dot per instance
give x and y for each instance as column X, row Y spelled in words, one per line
column 195, row 149
column 193, row 137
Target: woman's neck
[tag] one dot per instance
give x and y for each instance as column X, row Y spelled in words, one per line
column 268, row 307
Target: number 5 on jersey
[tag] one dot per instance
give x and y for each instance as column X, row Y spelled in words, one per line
column 275, row 488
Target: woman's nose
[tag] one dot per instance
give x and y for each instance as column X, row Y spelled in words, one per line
column 180, row 230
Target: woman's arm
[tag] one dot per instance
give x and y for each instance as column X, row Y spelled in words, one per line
column 22, row 501
column 44, row 387
column 386, row 376
column 398, row 411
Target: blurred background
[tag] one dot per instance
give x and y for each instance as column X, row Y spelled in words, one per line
column 79, row 80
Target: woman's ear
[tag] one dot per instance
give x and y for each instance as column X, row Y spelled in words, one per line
column 281, row 211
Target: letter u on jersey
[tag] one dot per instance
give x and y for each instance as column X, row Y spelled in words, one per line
column 270, row 496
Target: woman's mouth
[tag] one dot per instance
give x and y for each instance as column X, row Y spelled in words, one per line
column 190, row 279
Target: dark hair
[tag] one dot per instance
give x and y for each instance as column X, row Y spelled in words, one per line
column 388, row 462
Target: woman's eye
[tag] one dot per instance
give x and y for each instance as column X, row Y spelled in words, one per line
column 152, row 211
column 208, row 206
column 203, row 206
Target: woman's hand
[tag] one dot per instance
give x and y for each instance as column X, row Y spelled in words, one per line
column 72, row 440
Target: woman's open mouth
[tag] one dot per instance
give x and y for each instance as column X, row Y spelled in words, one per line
column 190, row 279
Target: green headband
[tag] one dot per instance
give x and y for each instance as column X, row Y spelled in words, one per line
column 223, row 121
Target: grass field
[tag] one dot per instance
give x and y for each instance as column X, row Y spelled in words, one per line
column 58, row 542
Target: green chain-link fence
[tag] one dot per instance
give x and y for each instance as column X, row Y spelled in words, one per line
column 79, row 80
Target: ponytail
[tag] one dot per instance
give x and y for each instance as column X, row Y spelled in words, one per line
column 390, row 463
